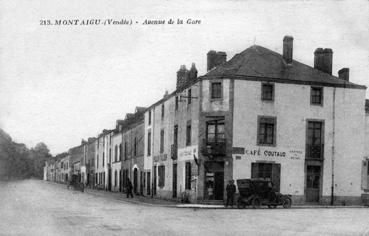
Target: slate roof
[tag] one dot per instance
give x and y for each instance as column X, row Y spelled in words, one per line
column 261, row 63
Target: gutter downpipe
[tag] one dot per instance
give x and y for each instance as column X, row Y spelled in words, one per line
column 333, row 143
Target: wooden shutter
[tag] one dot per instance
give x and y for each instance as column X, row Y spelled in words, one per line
column 276, row 176
column 254, row 170
column 364, row 174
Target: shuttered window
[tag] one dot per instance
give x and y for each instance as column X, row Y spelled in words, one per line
column 188, row 176
column 161, row 175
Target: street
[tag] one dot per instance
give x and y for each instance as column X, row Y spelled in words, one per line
column 35, row 207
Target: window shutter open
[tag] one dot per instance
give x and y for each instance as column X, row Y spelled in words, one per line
column 276, row 176
column 364, row 174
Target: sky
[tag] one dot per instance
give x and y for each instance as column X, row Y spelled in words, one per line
column 60, row 84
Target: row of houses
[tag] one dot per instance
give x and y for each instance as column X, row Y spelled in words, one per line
column 259, row 115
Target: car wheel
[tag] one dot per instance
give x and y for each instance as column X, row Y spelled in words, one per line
column 256, row 203
column 287, row 203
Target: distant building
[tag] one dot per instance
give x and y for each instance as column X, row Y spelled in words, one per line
column 133, row 150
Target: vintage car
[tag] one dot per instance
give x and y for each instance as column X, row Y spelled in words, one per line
column 76, row 184
column 258, row 192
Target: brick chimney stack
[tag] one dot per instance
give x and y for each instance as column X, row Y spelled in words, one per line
column 215, row 59
column 323, row 60
column 182, row 76
column 344, row 74
column 288, row 49
column 193, row 72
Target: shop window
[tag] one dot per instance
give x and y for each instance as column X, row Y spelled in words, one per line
column 216, row 90
column 267, row 171
column 316, row 96
column 161, row 175
column 267, row 131
column 267, row 92
column 188, row 133
column 115, row 178
column 188, row 176
column 315, row 142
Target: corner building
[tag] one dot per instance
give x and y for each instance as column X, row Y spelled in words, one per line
column 259, row 115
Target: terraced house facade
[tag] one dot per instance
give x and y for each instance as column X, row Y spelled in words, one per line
column 261, row 114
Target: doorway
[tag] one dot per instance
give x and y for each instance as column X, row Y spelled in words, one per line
column 174, row 180
column 154, row 181
column 109, row 179
column 313, row 179
column 135, row 178
column 214, row 180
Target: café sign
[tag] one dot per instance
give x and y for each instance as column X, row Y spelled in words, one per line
column 270, row 153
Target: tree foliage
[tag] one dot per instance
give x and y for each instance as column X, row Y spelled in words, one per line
column 19, row 162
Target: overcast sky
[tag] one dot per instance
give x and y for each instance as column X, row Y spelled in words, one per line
column 59, row 84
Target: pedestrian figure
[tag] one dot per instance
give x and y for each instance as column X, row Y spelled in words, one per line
column 231, row 189
column 129, row 188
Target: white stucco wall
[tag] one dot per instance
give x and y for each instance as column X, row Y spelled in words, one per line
column 292, row 109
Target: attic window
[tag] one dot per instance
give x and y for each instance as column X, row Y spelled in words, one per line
column 216, row 90
column 316, row 96
column 267, row 92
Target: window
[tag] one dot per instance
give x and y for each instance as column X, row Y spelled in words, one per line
column 316, row 96
column 175, row 136
column 188, row 176
column 120, row 152
column 176, row 104
column 116, row 153
column 267, row 131
column 135, row 147
column 267, row 171
column 162, row 141
column 315, row 144
column 189, row 96
column 216, row 90
column 161, row 175
column 149, row 117
column 125, row 150
column 109, row 155
column 267, row 92
column 188, row 133
column 162, row 111
column 103, row 159
column 215, row 131
column 149, row 143
column 97, row 160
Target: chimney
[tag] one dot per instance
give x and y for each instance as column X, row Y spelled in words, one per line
column 193, row 72
column 182, row 76
column 344, row 74
column 323, row 60
column 288, row 49
column 215, row 59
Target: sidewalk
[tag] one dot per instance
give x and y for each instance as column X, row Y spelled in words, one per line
column 147, row 200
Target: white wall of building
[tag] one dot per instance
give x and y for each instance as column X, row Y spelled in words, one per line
column 292, row 108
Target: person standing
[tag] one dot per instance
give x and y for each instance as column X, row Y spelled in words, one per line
column 129, row 188
column 231, row 190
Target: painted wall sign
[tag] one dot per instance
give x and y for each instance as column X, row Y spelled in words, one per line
column 187, row 153
column 161, row 157
column 274, row 153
